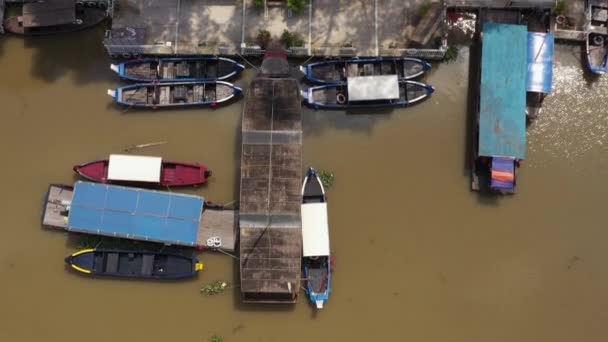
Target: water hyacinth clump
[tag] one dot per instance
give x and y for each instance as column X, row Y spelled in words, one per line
column 327, row 178
column 214, row 287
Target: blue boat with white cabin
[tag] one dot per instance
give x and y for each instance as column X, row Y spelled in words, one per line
column 500, row 139
column 317, row 261
column 367, row 92
column 178, row 69
column 338, row 71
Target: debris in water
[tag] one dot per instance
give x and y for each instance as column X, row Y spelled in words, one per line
column 327, row 178
column 214, row 288
column 217, row 338
column 134, row 147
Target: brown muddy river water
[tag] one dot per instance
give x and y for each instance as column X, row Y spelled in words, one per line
column 418, row 256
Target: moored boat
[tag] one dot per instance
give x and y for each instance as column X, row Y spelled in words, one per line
column 175, row 94
column 338, row 71
column 144, row 170
column 315, row 240
column 597, row 52
column 179, row 69
column 53, row 16
column 134, row 264
column 367, row 92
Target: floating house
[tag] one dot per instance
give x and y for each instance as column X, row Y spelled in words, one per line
column 271, row 177
column 138, row 214
column 500, row 142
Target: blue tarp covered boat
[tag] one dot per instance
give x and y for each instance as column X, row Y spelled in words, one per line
column 337, row 71
column 137, row 214
column 540, row 71
column 178, row 69
column 502, row 102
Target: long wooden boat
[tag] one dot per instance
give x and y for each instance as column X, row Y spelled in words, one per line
column 317, row 262
column 367, row 92
column 134, row 264
column 143, row 170
column 53, row 16
column 175, row 94
column 337, row 71
column 597, row 52
column 178, row 69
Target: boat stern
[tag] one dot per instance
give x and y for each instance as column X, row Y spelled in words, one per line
column 198, row 267
column 319, row 304
column 237, row 91
column 115, row 68
column 81, row 261
column 304, row 69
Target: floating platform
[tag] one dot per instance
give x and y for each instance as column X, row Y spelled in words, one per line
column 271, row 177
column 139, row 214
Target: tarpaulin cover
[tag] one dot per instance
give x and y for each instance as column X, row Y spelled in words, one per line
column 503, row 174
column 540, row 62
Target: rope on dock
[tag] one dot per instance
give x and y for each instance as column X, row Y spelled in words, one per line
column 306, row 61
column 245, row 59
column 228, row 254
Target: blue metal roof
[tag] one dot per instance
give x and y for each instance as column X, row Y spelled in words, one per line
column 540, row 62
column 134, row 213
column 502, row 105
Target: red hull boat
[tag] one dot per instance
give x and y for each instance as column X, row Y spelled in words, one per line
column 171, row 174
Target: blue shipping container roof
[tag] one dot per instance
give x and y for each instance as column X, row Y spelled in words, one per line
column 540, row 62
column 502, row 104
column 134, row 213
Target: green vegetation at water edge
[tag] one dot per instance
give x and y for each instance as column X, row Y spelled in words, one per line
column 451, row 54
column 217, row 338
column 214, row 288
column 560, row 7
column 258, row 4
column 327, row 178
column 296, row 5
column 424, row 9
column 263, row 38
column 291, row 39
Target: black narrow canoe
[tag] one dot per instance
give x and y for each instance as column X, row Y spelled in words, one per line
column 337, row 71
column 134, row 264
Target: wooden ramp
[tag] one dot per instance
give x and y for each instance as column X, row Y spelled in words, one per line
column 56, row 206
column 218, row 224
column 271, row 175
column 428, row 25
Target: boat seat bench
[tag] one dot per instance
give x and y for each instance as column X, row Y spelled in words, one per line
column 112, row 263
column 147, row 265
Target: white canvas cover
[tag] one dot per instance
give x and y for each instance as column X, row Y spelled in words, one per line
column 134, row 168
column 315, row 231
column 367, row 88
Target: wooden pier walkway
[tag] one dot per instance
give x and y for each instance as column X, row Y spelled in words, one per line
column 271, row 175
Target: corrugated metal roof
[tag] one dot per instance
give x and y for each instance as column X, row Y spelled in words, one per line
column 133, row 213
column 502, row 116
column 540, row 62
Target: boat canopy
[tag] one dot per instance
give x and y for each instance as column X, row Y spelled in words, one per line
column 369, row 88
column 48, row 13
column 134, row 168
column 502, row 104
column 133, row 213
column 540, row 62
column 315, row 231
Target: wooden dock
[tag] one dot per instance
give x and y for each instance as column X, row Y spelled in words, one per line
column 271, row 175
column 218, row 225
column 56, row 206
